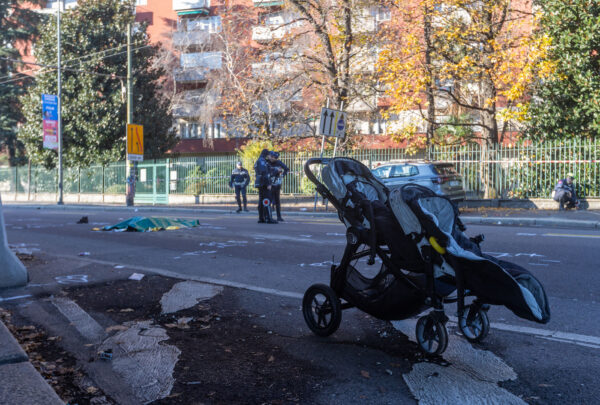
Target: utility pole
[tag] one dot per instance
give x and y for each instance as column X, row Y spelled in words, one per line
column 130, row 164
column 59, row 126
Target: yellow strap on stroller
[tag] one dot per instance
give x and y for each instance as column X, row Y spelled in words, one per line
column 436, row 246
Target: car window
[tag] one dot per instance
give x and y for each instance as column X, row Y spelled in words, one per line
column 405, row 171
column 445, row 170
column 383, row 172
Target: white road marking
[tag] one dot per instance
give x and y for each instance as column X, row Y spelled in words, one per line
column 538, row 264
column 471, row 378
column 566, row 337
column 16, row 297
column 526, row 234
column 277, row 237
column 570, row 235
column 81, row 320
column 72, row 279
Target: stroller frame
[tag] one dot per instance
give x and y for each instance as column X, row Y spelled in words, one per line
column 323, row 315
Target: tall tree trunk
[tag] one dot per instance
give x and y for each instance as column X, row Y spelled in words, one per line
column 431, row 123
column 489, row 128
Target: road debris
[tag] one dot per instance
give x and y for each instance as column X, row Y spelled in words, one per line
column 136, row 276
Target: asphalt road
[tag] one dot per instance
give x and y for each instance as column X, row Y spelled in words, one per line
column 554, row 363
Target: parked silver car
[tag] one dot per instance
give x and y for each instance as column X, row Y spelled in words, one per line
column 438, row 176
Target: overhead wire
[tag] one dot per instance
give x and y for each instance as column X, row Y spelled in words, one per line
column 85, row 56
column 63, row 67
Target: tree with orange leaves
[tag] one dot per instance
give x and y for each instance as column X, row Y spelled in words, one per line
column 462, row 58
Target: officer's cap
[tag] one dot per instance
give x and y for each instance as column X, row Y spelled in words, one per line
column 275, row 154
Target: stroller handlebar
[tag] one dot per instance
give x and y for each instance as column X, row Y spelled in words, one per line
column 321, row 189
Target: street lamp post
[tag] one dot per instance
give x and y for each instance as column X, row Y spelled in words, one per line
column 59, row 126
column 130, row 197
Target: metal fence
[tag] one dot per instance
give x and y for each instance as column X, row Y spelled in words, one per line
column 521, row 171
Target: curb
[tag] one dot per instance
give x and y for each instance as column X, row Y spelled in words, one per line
column 467, row 220
column 21, row 382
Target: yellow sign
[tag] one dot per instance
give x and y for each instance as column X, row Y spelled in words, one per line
column 135, row 142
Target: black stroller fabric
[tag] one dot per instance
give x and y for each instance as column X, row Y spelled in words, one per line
column 495, row 282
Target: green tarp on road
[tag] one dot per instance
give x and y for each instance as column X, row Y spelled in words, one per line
column 149, row 224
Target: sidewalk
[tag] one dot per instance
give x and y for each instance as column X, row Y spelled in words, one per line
column 585, row 219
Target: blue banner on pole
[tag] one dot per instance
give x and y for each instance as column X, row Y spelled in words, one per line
column 50, row 121
column 50, row 107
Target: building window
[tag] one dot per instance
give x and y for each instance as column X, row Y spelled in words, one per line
column 141, row 2
column 188, row 130
column 381, row 14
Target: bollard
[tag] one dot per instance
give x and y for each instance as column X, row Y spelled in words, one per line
column 12, row 271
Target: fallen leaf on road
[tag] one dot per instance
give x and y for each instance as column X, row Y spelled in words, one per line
column 127, row 310
column 92, row 390
column 546, row 385
column 365, row 374
column 116, row 327
column 171, row 325
column 271, row 359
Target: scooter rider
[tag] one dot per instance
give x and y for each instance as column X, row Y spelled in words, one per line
column 564, row 193
column 278, row 171
column 263, row 184
column 240, row 180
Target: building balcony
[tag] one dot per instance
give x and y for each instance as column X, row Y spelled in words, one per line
column 266, row 33
column 190, row 38
column 267, row 3
column 206, row 60
column 273, row 68
column 182, row 5
column 190, row 75
column 194, row 103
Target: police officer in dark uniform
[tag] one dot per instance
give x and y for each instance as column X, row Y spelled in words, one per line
column 240, row 180
column 564, row 193
column 263, row 184
column 278, row 172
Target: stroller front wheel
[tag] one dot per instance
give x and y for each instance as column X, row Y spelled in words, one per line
column 322, row 309
column 474, row 323
column 432, row 335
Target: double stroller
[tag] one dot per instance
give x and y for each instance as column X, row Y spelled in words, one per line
column 426, row 261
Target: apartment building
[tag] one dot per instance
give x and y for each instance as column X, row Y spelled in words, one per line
column 188, row 29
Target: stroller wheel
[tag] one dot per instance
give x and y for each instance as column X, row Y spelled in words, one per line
column 322, row 309
column 432, row 335
column 474, row 323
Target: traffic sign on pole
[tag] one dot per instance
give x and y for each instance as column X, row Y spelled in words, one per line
column 135, row 142
column 333, row 122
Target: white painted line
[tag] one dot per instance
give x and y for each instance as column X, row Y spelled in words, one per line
column 538, row 264
column 81, row 320
column 305, row 239
column 16, row 297
column 526, row 234
column 570, row 235
column 573, row 338
column 567, row 337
